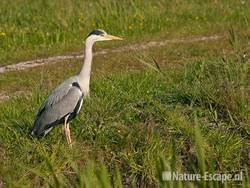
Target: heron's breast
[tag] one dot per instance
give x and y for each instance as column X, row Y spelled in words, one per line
column 80, row 106
column 85, row 90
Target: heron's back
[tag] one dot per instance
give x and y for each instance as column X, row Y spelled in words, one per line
column 65, row 100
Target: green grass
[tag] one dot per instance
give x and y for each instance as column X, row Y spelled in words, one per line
column 172, row 55
column 191, row 115
column 31, row 29
column 192, row 119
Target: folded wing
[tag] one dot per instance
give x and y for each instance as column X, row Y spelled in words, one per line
column 66, row 100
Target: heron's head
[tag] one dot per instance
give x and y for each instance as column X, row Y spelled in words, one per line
column 101, row 35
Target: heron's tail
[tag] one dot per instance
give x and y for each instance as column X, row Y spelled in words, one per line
column 31, row 134
column 35, row 130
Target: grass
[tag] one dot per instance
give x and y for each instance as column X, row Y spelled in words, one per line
column 181, row 108
column 31, row 29
column 120, row 62
column 194, row 118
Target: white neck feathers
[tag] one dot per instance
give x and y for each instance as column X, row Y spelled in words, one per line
column 84, row 74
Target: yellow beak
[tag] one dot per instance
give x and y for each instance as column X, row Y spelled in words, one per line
column 111, row 37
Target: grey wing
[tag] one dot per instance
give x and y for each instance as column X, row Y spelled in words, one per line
column 63, row 101
column 56, row 95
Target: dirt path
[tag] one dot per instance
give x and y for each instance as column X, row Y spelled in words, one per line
column 141, row 46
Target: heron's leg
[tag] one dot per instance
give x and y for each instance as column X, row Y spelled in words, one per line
column 68, row 135
column 65, row 128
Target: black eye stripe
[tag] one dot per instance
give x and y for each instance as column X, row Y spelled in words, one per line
column 96, row 32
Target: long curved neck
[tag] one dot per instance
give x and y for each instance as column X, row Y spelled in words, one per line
column 84, row 74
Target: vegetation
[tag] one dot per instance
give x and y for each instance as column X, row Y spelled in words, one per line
column 181, row 108
column 127, row 127
column 29, row 29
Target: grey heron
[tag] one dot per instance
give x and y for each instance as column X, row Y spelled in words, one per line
column 65, row 102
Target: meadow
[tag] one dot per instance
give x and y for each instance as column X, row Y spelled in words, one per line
column 31, row 29
column 181, row 107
